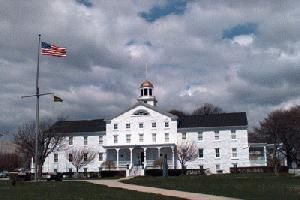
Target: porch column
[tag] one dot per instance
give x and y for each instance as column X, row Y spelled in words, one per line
column 158, row 152
column 130, row 149
column 117, row 157
column 173, row 157
column 145, row 156
column 265, row 155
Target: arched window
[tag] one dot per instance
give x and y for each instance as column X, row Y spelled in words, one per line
column 141, row 112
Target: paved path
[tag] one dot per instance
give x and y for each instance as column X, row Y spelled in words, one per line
column 165, row 192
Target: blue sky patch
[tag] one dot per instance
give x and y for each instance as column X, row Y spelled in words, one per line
column 240, row 29
column 175, row 7
column 86, row 3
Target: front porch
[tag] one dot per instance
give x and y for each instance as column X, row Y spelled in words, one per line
column 126, row 157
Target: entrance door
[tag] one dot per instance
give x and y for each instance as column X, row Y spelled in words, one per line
column 142, row 158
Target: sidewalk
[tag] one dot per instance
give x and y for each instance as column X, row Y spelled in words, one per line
column 165, row 192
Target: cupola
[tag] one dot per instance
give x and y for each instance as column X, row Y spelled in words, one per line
column 147, row 96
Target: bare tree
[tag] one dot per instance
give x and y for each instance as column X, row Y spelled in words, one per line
column 108, row 164
column 207, row 109
column 186, row 151
column 48, row 142
column 282, row 128
column 80, row 157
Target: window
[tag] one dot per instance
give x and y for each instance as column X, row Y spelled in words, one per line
column 100, row 139
column 128, row 138
column 183, row 136
column 70, row 170
column 85, row 140
column 234, row 152
column 166, row 137
column 141, row 125
column 166, row 124
column 141, row 137
column 127, row 125
column 217, row 135
column 200, row 153
column 153, row 137
column 70, row 140
column 200, row 136
column 100, row 169
column 150, row 92
column 145, row 101
column 85, row 171
column 218, row 167
column 55, row 170
column 70, row 157
column 115, row 126
column 85, row 156
column 233, row 135
column 234, row 165
column 115, row 139
column 100, row 156
column 201, row 167
column 153, row 124
column 55, row 157
column 141, row 112
column 145, row 92
column 217, row 152
column 141, row 92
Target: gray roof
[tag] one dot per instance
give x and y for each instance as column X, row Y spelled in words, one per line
column 213, row 120
column 96, row 125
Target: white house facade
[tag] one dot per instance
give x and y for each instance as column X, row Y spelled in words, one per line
column 138, row 136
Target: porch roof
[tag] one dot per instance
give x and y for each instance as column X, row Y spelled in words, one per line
column 139, row 146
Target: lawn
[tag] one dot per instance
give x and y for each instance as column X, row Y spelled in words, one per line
column 245, row 186
column 68, row 190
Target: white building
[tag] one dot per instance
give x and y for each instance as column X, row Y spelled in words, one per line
column 143, row 133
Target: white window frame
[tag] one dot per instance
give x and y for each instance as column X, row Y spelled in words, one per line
column 234, row 153
column 141, row 125
column 115, row 139
column 128, row 138
column 233, row 135
column 70, row 140
column 183, row 136
column 200, row 149
column 85, row 140
column 200, row 136
column 217, row 135
column 153, row 124
column 115, row 126
column 217, row 152
column 100, row 156
column 167, row 137
column 153, row 137
column 141, row 137
column 55, row 157
column 167, row 125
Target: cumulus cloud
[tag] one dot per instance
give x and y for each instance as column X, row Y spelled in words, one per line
column 239, row 55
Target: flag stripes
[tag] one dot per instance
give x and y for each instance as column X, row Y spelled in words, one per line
column 53, row 50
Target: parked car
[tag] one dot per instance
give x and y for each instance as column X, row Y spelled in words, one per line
column 53, row 176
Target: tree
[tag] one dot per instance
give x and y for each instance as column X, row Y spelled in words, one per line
column 108, row 164
column 207, row 109
column 80, row 157
column 186, row 151
column 48, row 142
column 9, row 161
column 282, row 128
column 178, row 113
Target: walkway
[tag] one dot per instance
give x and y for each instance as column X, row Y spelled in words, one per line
column 165, row 192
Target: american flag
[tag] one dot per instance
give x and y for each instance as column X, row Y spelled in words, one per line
column 53, row 50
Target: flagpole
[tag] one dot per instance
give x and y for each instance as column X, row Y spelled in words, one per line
column 37, row 130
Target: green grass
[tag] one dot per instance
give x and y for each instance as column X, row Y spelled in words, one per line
column 245, row 186
column 68, row 190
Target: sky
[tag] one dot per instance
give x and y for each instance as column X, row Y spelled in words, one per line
column 242, row 56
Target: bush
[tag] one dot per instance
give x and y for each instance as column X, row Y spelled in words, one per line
column 105, row 174
column 254, row 169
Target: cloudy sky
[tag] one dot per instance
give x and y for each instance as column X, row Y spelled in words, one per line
column 239, row 55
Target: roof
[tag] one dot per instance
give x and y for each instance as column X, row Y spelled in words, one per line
column 96, row 125
column 146, row 84
column 213, row 120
